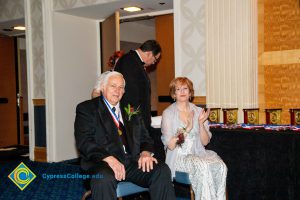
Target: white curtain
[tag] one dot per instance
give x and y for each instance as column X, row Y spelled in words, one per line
column 231, row 54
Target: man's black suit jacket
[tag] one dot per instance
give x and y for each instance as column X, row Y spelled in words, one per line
column 138, row 87
column 97, row 136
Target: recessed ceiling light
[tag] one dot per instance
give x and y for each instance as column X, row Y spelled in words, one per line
column 132, row 9
column 20, row 28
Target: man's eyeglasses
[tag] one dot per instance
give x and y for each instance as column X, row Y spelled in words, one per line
column 155, row 59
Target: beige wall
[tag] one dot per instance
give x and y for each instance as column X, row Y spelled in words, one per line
column 71, row 79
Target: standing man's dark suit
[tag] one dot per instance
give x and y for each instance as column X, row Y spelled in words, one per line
column 97, row 139
column 138, row 86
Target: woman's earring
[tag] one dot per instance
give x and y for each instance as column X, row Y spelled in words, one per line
column 190, row 98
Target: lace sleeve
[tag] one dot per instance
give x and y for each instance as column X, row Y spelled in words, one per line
column 166, row 126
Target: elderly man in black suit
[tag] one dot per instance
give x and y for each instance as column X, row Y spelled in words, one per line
column 117, row 147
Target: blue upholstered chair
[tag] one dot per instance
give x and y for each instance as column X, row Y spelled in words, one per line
column 183, row 178
column 123, row 189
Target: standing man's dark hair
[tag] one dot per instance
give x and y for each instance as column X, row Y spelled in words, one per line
column 138, row 88
column 151, row 45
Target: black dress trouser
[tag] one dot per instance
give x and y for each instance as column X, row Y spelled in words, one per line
column 157, row 180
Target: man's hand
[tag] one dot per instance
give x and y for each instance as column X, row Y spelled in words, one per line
column 116, row 166
column 146, row 161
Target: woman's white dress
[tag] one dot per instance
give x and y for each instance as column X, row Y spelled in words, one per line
column 207, row 171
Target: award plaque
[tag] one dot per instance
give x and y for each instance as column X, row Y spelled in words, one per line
column 230, row 115
column 273, row 116
column 251, row 116
column 295, row 116
column 214, row 115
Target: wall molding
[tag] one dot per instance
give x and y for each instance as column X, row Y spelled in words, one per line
column 281, row 57
column 199, row 100
column 39, row 102
column 40, row 154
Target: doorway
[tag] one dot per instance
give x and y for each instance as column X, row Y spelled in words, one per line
column 13, row 92
column 8, row 89
column 23, row 91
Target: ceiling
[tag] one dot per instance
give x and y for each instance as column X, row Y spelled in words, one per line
column 6, row 27
column 102, row 11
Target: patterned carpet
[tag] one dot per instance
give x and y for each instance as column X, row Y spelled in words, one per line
column 41, row 188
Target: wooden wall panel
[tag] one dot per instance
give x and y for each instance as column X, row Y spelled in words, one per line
column 165, row 71
column 282, row 89
column 279, row 58
column 110, row 39
column 261, row 71
column 282, row 25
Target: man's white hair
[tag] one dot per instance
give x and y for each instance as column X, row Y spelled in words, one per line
column 100, row 80
column 110, row 74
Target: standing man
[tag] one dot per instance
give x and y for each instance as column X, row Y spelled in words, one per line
column 138, row 88
column 116, row 146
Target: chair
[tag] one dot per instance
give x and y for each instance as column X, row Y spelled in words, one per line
column 183, row 178
column 123, row 189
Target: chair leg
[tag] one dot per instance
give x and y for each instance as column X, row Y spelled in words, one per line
column 86, row 195
column 192, row 193
column 226, row 194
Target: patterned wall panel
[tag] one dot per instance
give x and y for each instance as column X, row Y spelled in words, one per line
column 190, row 42
column 37, row 43
column 10, row 10
column 68, row 4
column 281, row 88
column 281, row 25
